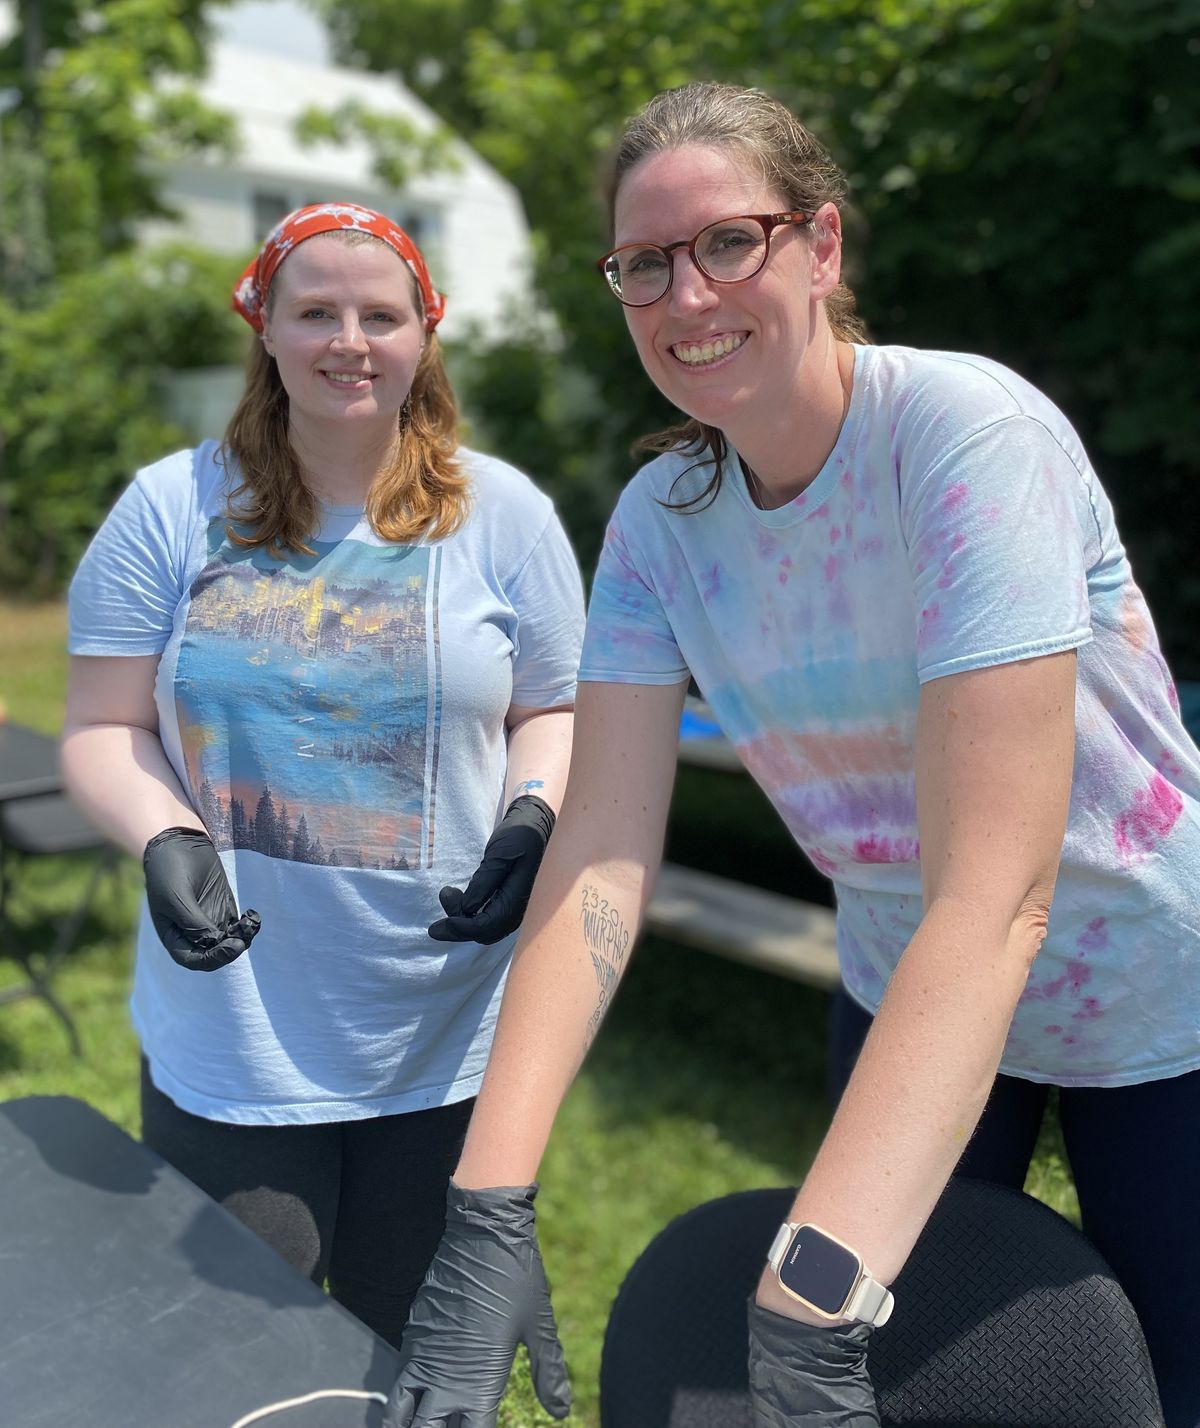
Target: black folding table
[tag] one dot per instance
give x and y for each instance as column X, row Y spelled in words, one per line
column 129, row 1299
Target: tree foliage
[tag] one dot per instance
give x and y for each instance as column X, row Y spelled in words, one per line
column 95, row 110
column 82, row 400
column 1026, row 177
column 97, row 97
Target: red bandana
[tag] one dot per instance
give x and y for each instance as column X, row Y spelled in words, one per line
column 250, row 295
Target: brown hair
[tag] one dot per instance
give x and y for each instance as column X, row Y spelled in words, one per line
column 422, row 492
column 790, row 160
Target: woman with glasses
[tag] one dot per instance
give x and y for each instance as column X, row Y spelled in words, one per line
column 897, row 580
column 323, row 672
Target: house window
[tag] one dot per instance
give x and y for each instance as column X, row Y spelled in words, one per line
column 269, row 208
column 416, row 226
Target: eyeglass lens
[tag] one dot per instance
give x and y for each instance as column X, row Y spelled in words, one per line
column 727, row 252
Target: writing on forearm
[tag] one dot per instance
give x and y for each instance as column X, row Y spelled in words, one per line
column 607, row 939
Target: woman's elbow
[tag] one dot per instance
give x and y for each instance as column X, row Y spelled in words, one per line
column 1032, row 921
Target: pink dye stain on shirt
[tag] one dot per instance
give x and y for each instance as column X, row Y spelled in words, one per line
column 1094, row 937
column 876, row 849
column 929, row 618
column 1155, row 812
column 954, row 497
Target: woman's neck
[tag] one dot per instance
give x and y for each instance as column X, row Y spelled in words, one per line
column 786, row 454
column 340, row 467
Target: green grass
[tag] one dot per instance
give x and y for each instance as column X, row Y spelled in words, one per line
column 708, row 1077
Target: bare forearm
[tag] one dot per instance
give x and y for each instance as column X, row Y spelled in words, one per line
column 119, row 777
column 580, row 925
column 580, row 934
column 918, row 1089
column 539, row 755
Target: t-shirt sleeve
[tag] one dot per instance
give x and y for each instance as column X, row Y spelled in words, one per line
column 547, row 595
column 628, row 639
column 124, row 595
column 1001, row 534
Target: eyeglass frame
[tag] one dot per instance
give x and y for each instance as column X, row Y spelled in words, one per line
column 768, row 221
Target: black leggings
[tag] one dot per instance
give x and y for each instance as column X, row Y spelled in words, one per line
column 1135, row 1159
column 360, row 1203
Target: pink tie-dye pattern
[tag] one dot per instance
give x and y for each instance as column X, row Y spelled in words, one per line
column 1155, row 812
column 1094, row 937
column 886, row 850
column 928, row 626
column 954, row 497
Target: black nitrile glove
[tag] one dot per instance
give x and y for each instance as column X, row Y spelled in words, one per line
column 805, row 1376
column 495, row 899
column 191, row 903
column 485, row 1293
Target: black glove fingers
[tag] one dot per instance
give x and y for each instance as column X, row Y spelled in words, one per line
column 210, row 959
column 401, row 1406
column 453, row 929
column 451, row 899
column 495, row 921
column 486, row 879
column 248, row 926
column 548, row 1365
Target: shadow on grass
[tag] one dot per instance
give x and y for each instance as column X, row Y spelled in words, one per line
column 736, row 1049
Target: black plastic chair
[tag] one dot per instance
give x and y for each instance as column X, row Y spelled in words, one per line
column 1006, row 1317
column 31, row 828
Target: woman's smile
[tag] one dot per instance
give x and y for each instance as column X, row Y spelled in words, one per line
column 705, row 353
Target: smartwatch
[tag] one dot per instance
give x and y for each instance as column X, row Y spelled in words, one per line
column 826, row 1276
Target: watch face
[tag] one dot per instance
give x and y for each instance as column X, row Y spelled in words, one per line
column 819, row 1270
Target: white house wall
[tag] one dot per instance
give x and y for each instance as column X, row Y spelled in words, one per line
column 469, row 223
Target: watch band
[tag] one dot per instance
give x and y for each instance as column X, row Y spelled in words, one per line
column 868, row 1302
column 871, row 1302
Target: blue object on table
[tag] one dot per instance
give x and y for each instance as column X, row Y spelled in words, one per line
column 697, row 724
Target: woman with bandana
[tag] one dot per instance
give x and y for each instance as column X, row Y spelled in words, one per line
column 321, row 683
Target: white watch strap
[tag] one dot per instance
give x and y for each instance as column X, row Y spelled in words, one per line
column 871, row 1302
column 783, row 1236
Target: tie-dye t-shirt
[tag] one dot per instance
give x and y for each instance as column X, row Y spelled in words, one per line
column 338, row 722
column 956, row 524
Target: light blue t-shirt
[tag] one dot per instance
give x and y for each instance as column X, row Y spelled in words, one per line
column 338, row 722
column 956, row 524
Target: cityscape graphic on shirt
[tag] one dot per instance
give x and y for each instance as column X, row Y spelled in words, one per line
column 308, row 696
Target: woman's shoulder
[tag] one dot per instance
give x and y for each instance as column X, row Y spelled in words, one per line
column 960, row 391
column 672, row 478
column 498, row 485
column 192, row 477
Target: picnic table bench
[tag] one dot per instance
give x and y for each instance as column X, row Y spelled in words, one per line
column 748, row 924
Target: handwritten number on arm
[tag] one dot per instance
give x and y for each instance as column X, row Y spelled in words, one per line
column 607, row 939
